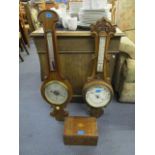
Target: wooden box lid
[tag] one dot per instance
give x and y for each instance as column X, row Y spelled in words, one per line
column 80, row 131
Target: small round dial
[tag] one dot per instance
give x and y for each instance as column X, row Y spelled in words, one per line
column 98, row 95
column 56, row 92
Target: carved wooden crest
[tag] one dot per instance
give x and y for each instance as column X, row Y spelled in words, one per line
column 103, row 25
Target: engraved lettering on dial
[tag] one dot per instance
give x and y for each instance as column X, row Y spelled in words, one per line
column 56, row 93
column 98, row 96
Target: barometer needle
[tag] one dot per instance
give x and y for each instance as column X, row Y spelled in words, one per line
column 56, row 94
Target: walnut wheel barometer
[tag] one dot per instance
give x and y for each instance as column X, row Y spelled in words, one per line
column 56, row 90
column 98, row 91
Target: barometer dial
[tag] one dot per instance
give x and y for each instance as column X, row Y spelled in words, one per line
column 56, row 92
column 97, row 95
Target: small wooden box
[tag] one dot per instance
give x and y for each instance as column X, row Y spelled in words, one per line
column 80, row 131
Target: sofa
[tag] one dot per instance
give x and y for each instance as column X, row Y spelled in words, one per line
column 124, row 74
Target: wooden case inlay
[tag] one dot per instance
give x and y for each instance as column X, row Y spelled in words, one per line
column 80, row 131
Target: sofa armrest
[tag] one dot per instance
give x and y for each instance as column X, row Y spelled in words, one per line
column 127, row 46
column 128, row 70
column 124, row 74
column 126, row 50
column 120, row 59
column 126, row 87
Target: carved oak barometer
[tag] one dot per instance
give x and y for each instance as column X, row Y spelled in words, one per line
column 98, row 91
column 56, row 90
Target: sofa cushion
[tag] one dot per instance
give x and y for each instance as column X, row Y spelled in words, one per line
column 127, row 46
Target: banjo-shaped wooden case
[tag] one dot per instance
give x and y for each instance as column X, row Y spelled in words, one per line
column 48, row 18
column 100, row 72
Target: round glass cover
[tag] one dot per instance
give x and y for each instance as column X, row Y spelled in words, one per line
column 98, row 96
column 56, row 92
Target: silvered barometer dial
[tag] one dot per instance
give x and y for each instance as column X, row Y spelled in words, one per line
column 98, row 96
column 97, row 93
column 56, row 92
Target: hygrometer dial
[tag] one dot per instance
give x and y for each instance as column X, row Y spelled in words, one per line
column 55, row 92
column 97, row 94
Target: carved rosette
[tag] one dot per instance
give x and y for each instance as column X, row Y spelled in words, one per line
column 103, row 25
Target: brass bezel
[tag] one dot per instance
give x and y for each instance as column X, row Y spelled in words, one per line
column 51, row 82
